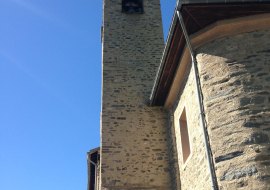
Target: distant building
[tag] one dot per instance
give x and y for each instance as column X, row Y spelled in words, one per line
column 206, row 124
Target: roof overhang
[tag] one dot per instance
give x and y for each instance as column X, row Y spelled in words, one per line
column 94, row 150
column 200, row 17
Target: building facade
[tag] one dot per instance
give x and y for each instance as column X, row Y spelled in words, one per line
column 192, row 115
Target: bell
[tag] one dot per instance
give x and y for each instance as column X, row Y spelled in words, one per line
column 131, row 8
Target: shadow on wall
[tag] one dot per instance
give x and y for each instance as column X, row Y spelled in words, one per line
column 235, row 79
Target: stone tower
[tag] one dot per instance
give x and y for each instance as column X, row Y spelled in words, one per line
column 133, row 135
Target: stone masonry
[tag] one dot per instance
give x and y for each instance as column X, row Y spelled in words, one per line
column 194, row 174
column 141, row 145
column 173, row 153
column 235, row 78
column 134, row 152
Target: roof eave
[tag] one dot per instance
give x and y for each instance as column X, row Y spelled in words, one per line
column 171, row 33
column 165, row 52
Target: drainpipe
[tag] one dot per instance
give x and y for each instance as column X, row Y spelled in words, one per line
column 95, row 172
column 194, row 63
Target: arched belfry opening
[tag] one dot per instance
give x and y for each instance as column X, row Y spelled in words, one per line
column 132, row 6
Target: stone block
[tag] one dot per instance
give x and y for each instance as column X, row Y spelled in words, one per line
column 256, row 138
column 239, row 173
column 228, row 156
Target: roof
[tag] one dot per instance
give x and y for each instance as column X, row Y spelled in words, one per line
column 197, row 14
column 94, row 150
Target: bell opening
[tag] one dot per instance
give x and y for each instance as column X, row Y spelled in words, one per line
column 132, row 6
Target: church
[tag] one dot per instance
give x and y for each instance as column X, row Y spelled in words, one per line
column 192, row 113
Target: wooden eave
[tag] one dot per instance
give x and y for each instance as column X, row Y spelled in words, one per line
column 196, row 17
column 94, row 150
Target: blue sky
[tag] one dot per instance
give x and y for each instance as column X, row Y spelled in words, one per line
column 50, row 91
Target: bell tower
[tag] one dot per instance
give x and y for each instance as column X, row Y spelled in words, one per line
column 134, row 153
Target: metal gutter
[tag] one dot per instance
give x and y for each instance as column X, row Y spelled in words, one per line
column 199, row 98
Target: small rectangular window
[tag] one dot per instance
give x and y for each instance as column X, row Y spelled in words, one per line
column 184, row 136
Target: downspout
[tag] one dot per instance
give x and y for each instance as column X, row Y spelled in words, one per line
column 194, row 63
column 95, row 172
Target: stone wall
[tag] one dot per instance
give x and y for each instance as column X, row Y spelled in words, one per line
column 235, row 79
column 173, row 153
column 194, row 174
column 134, row 152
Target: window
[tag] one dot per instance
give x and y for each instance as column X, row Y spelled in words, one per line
column 184, row 136
column 132, row 6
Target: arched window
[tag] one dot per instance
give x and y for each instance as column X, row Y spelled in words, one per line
column 132, row 6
